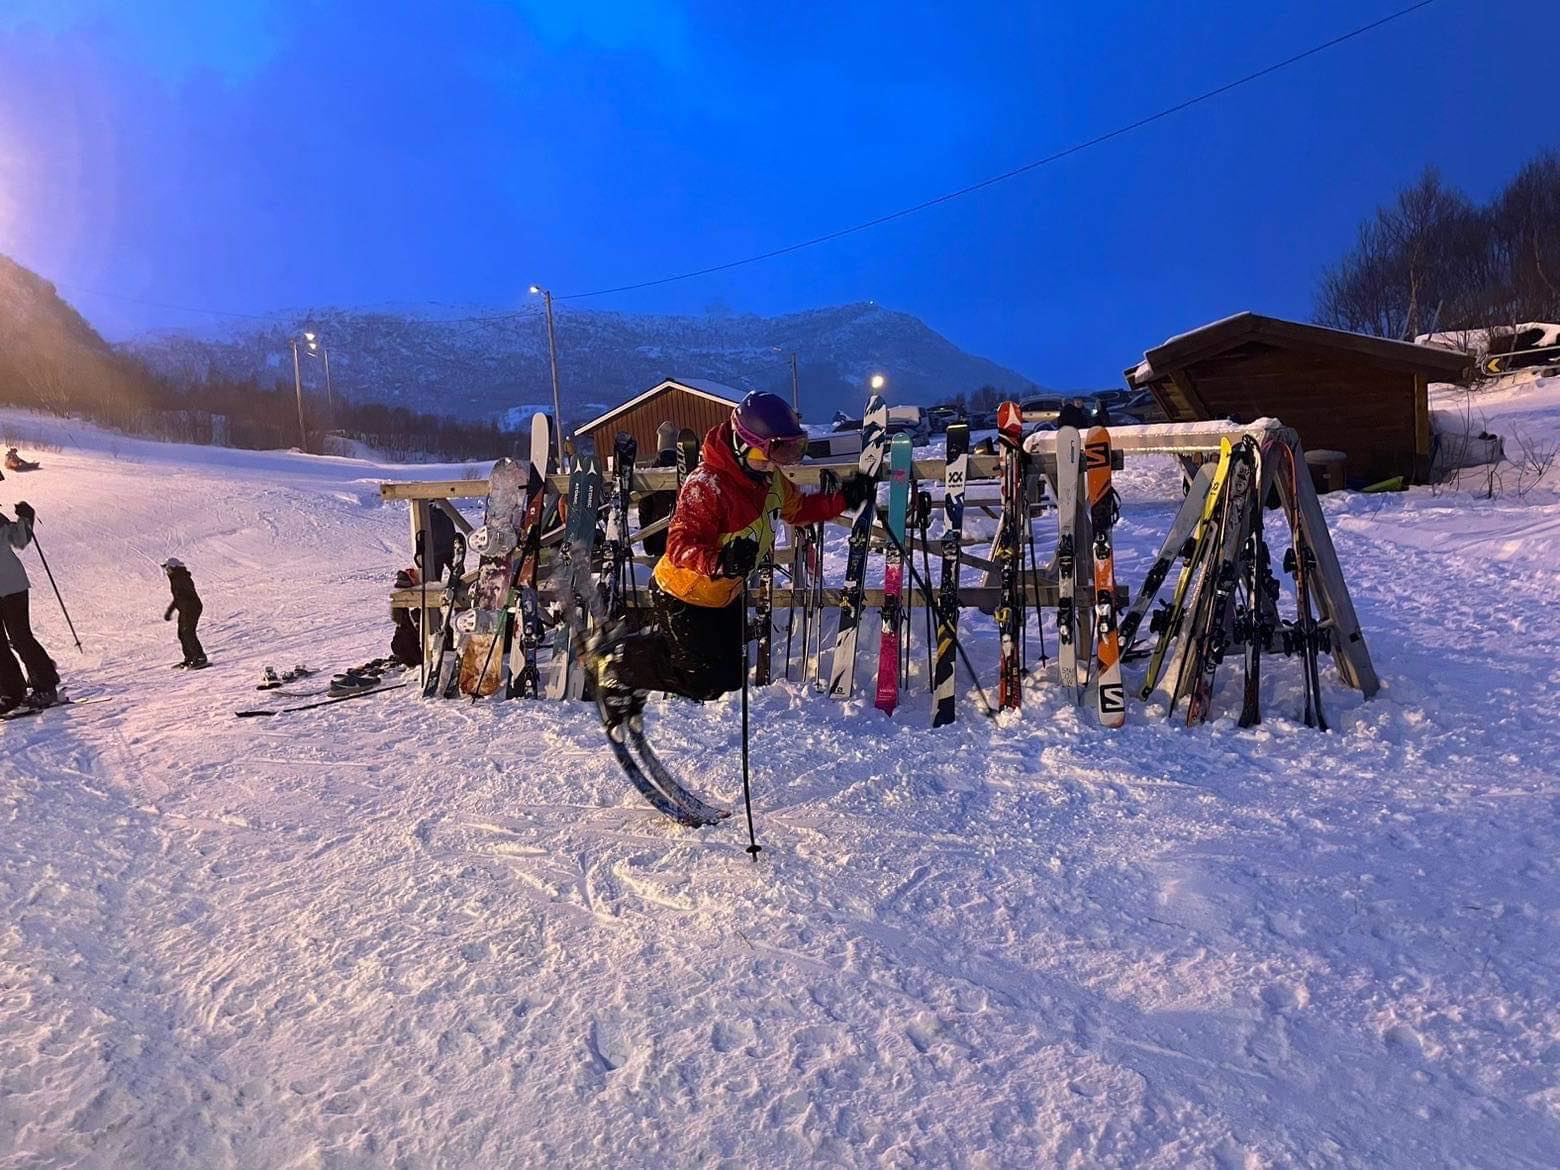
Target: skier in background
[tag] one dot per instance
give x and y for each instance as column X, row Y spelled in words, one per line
column 655, row 506
column 723, row 526
column 187, row 602
column 18, row 640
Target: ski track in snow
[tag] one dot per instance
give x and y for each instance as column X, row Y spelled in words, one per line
column 390, row 933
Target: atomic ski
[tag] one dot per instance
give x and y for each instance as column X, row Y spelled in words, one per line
column 1069, row 453
column 572, row 575
column 1110, row 698
column 842, row 671
column 957, row 469
column 899, row 461
column 1010, row 555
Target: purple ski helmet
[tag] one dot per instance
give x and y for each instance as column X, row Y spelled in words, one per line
column 765, row 424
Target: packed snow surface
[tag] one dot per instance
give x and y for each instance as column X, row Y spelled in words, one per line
column 406, row 934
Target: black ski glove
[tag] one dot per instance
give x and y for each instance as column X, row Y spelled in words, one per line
column 24, row 511
column 738, row 557
column 857, row 490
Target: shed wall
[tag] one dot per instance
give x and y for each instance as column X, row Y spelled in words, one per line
column 671, row 405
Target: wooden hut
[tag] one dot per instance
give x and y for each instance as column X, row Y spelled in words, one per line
column 693, row 403
column 1364, row 396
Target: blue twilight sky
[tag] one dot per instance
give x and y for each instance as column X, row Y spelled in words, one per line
column 257, row 155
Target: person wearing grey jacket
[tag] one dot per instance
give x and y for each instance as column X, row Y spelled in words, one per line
column 16, row 636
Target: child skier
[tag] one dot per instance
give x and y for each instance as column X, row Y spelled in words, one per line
column 187, row 602
column 16, row 636
column 723, row 526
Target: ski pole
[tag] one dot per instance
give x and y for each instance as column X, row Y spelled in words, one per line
column 931, row 599
column 55, row 587
column 747, row 792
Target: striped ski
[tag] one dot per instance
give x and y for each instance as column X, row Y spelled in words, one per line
column 1010, row 555
column 958, row 466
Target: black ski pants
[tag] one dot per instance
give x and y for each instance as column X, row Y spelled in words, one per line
column 188, row 620
column 18, row 642
column 692, row 650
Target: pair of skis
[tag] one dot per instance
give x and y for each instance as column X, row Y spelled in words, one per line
column 1091, row 463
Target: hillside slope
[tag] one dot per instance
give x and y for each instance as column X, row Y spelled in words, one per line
column 392, row 933
column 481, row 367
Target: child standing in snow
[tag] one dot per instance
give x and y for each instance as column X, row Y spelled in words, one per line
column 187, row 602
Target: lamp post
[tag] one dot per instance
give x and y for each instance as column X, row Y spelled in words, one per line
column 303, row 434
column 552, row 358
column 796, row 393
column 316, row 348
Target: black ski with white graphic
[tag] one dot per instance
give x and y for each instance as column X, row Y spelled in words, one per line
column 446, row 653
column 874, row 434
column 958, row 464
column 572, row 576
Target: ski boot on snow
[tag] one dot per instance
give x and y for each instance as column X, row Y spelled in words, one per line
column 616, row 702
column 9, row 703
column 38, row 699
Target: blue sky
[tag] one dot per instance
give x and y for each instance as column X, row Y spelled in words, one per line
column 264, row 154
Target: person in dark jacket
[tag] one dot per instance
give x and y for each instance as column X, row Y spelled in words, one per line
column 187, row 603
column 16, row 636
column 655, row 506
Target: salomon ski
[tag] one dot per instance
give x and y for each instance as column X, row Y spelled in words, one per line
column 1110, row 697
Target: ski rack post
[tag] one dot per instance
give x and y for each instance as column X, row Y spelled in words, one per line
column 1331, row 595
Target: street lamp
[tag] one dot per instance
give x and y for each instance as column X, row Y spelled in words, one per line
column 317, row 349
column 796, row 393
column 552, row 358
column 877, row 381
column 303, row 433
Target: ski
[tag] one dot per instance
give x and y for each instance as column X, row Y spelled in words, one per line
column 1256, row 627
column 899, row 461
column 763, row 620
column 446, row 652
column 1110, row 697
column 323, row 703
column 1177, row 543
column 1068, row 469
column 573, row 580
column 957, row 461
column 1173, row 619
column 842, row 671
column 687, row 454
column 29, row 712
column 1010, row 555
column 1210, row 623
column 618, row 559
column 522, row 677
column 1299, row 561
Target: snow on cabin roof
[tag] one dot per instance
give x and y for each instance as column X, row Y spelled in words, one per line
column 1217, row 336
column 701, row 387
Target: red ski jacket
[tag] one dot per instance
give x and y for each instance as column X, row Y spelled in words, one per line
column 720, row 501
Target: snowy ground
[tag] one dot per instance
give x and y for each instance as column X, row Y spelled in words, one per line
column 391, row 933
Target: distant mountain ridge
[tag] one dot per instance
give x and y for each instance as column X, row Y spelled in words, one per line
column 487, row 365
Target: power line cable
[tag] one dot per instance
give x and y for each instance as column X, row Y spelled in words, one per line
column 993, row 180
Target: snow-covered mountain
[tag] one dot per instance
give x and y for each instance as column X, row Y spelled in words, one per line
column 487, row 362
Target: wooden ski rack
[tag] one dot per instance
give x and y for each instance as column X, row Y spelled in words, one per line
column 1190, row 442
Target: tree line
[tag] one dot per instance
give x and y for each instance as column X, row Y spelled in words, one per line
column 1434, row 261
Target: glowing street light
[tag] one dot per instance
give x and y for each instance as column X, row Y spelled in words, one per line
column 877, row 381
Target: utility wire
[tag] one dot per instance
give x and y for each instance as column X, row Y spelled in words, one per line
column 993, row 180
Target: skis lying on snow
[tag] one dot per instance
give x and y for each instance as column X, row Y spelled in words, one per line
column 29, row 712
column 322, row 703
